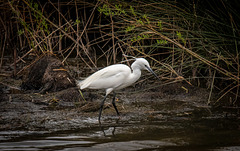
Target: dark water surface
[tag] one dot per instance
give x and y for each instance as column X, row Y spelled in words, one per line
column 215, row 134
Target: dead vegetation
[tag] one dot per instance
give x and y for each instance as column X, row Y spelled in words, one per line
column 184, row 41
column 48, row 75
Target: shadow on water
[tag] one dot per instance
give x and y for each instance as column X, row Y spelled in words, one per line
column 203, row 134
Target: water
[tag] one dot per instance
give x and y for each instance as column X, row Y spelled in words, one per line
column 215, row 134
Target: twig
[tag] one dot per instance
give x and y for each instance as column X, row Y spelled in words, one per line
column 212, row 85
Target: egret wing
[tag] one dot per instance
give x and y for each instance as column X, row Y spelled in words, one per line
column 109, row 77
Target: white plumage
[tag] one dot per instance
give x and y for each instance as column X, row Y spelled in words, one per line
column 115, row 77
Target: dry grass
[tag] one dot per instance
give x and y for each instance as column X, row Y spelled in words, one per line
column 182, row 41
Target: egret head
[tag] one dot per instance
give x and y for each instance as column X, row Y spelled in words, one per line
column 144, row 65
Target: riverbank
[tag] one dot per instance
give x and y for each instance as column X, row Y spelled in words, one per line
column 66, row 109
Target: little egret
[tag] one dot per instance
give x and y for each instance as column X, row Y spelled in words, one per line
column 115, row 77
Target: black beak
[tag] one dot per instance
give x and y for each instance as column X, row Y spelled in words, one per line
column 150, row 70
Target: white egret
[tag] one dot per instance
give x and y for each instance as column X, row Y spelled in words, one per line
column 115, row 77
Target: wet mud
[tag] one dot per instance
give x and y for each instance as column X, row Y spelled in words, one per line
column 154, row 116
column 49, row 100
column 66, row 109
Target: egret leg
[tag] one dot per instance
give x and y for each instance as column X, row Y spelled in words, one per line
column 101, row 108
column 114, row 105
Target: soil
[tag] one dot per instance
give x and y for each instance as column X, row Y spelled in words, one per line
column 66, row 108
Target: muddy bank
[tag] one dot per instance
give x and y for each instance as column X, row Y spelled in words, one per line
column 50, row 101
column 66, row 109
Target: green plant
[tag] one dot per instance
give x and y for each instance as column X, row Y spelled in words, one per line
column 193, row 43
column 189, row 41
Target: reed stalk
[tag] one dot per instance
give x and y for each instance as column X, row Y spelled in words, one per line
column 183, row 41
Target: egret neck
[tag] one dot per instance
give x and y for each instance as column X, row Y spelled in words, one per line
column 136, row 73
